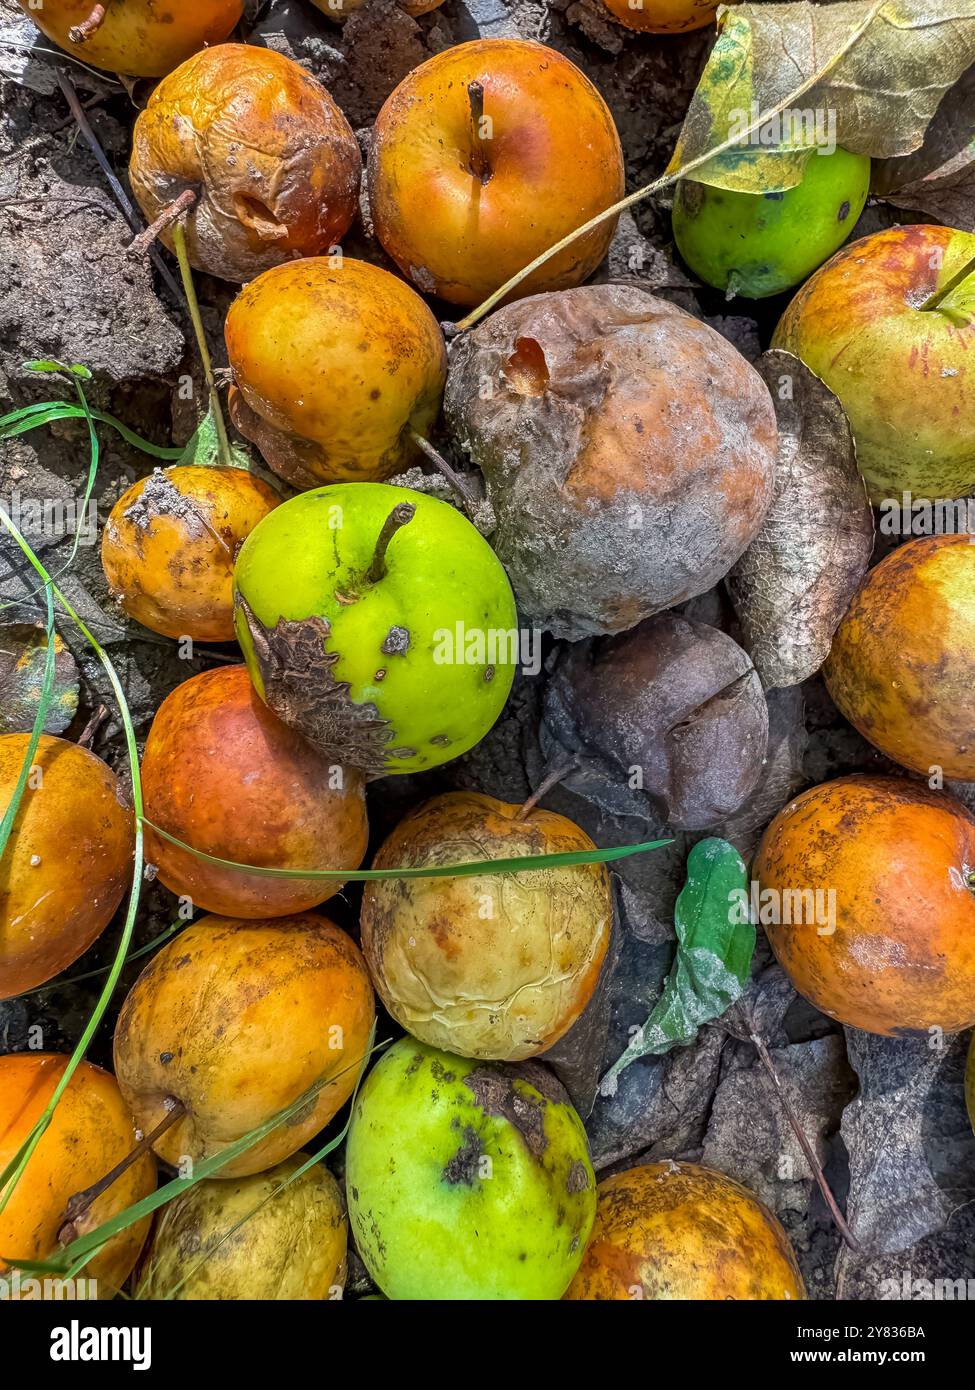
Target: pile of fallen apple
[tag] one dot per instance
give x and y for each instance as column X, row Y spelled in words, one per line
column 625, row 455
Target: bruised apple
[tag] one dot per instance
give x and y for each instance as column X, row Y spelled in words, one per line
column 678, row 1231
column 67, row 863
column 271, row 1237
column 169, row 546
column 628, row 450
column 273, row 162
column 222, row 773
column 873, row 884
column 493, row 966
column 142, row 38
column 889, row 325
column 902, row 664
column 236, row 1020
column 484, row 157
column 338, row 367
column 467, row 1180
column 90, row 1132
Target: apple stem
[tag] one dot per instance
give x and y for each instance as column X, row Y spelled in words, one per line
column 749, row 1029
column 78, row 1206
column 939, row 296
column 480, row 167
column 401, row 515
column 140, row 244
column 461, row 486
column 78, row 33
column 552, row 777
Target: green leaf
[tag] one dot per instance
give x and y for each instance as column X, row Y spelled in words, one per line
column 870, row 72
column 204, row 447
column 521, row 864
column 715, row 942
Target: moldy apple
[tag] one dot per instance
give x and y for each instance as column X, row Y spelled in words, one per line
column 272, row 160
column 628, row 449
column 170, row 542
column 372, row 370
column 377, row 622
column 484, row 157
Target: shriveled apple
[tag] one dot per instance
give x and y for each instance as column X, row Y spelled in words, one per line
column 235, row 1020
column 629, row 452
column 496, row 966
column 273, row 163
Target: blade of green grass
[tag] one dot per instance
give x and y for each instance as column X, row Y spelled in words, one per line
column 43, row 705
column 519, row 864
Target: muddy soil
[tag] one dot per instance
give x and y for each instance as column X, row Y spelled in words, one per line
column 886, row 1116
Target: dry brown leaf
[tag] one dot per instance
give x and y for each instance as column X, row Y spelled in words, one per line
column 795, row 580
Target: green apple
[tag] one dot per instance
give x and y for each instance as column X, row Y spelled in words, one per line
column 757, row 244
column 467, row 1180
column 377, row 622
column 889, row 326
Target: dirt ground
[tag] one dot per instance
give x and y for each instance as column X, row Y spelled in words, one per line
column 885, row 1115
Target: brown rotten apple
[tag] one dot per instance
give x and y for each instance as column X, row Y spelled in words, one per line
column 629, row 452
column 497, row 966
column 236, row 1020
column 223, row 774
column 169, row 546
column 673, row 709
column 67, row 863
column 485, row 156
column 338, row 367
column 271, row 159
column 142, row 38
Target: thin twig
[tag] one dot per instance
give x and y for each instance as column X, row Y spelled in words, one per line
column 96, row 721
column 552, row 777
column 141, row 244
column 750, row 1031
column 121, row 197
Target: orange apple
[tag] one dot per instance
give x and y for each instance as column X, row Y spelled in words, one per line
column 485, row 156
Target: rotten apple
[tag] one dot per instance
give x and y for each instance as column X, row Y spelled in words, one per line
column 272, row 162
column 497, row 966
column 378, row 623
